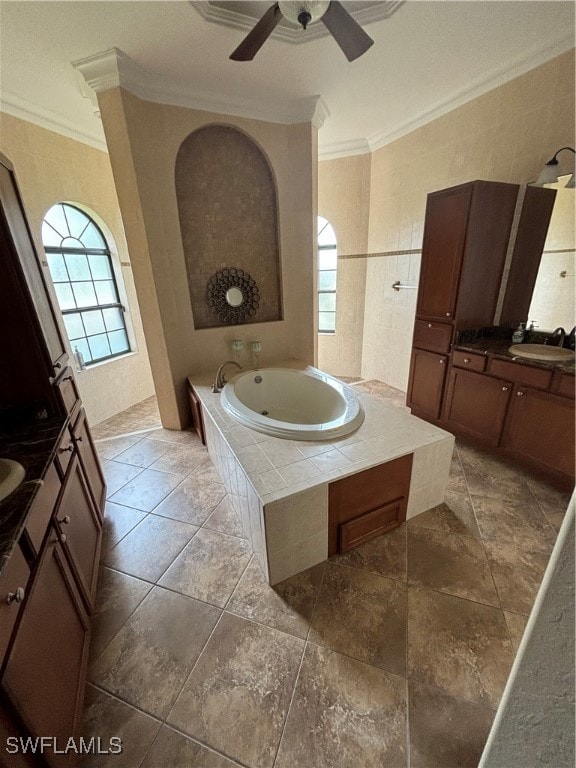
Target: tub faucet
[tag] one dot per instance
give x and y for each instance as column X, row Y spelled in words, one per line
column 561, row 333
column 220, row 379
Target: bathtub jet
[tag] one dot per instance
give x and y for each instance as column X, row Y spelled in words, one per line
column 293, row 404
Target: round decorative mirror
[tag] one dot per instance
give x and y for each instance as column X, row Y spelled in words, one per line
column 234, row 297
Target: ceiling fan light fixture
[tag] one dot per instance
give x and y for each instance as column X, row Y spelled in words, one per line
column 303, row 12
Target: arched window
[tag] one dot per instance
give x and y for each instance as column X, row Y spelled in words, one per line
column 327, row 265
column 81, row 269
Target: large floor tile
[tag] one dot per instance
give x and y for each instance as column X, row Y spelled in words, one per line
column 150, row 548
column 143, row 453
column 182, row 458
column 460, row 646
column 237, row 697
column 520, row 524
column 287, row 606
column 181, row 437
column 362, row 615
column 385, row 555
column 454, row 515
column 488, row 476
column 118, row 595
column 173, row 750
column 550, row 498
column 117, row 475
column 225, row 519
column 209, row 567
column 151, row 656
column 192, row 501
column 345, row 714
column 450, row 563
column 106, row 717
column 516, row 626
column 118, row 521
column 456, row 479
column 445, row 732
column 109, row 449
column 517, row 574
column 146, row 490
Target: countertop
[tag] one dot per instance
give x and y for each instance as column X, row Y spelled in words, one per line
column 499, row 348
column 34, row 446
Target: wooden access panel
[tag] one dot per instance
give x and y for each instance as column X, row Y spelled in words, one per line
column 368, row 499
column 197, row 420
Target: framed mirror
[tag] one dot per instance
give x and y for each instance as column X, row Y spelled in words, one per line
column 234, row 297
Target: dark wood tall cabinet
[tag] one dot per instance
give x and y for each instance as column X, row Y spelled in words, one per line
column 52, row 570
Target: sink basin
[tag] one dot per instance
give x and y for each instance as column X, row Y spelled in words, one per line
column 542, row 352
column 11, row 475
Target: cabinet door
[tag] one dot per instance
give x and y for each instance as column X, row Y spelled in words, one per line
column 90, row 462
column 426, row 383
column 44, row 676
column 476, row 405
column 13, row 211
column 78, row 525
column 442, row 251
column 13, row 586
column 197, row 420
column 540, row 427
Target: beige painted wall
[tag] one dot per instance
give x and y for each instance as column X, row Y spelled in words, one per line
column 51, row 168
column 553, row 300
column 505, row 135
column 143, row 140
column 344, row 199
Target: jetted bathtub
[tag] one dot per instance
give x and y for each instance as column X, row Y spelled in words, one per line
column 293, row 404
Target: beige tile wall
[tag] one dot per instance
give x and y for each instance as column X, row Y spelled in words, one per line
column 504, row 135
column 51, row 168
column 553, row 300
column 143, row 140
column 344, row 199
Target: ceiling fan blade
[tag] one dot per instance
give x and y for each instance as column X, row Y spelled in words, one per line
column 255, row 39
column 346, row 31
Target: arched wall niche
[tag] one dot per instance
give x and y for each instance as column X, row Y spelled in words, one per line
column 228, row 211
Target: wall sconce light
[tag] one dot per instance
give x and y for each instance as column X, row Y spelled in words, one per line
column 550, row 173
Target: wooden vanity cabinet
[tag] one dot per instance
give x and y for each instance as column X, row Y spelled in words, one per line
column 46, row 668
column 540, row 428
column 84, row 444
column 476, row 405
column 426, row 383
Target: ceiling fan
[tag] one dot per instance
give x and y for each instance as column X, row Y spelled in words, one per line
column 344, row 29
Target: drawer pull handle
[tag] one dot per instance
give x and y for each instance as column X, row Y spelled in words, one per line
column 16, row 597
column 466, row 359
column 441, row 362
column 520, row 394
column 79, row 439
column 504, row 389
column 65, row 520
column 57, row 365
column 62, row 538
column 68, row 448
column 448, row 314
column 67, row 378
column 429, row 325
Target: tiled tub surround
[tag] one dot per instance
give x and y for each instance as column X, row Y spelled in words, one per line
column 280, row 487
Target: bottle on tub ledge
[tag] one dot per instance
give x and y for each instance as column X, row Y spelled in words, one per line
column 519, row 333
column 256, row 350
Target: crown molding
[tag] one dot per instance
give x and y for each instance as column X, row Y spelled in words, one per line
column 288, row 32
column 113, row 69
column 14, row 105
column 479, row 87
column 343, row 149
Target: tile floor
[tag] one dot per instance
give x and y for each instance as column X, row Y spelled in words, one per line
column 144, row 415
column 395, row 654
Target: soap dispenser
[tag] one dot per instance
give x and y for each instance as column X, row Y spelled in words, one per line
column 518, row 335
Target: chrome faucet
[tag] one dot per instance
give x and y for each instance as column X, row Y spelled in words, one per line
column 561, row 333
column 220, row 379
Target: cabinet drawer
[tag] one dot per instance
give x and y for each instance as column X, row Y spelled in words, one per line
column 14, row 578
column 469, row 360
column 521, row 374
column 566, row 385
column 65, row 451
column 43, row 507
column 68, row 391
column 369, row 525
column 433, row 336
